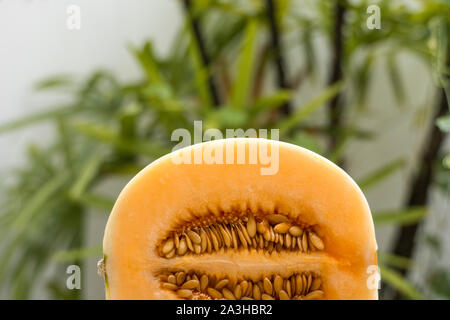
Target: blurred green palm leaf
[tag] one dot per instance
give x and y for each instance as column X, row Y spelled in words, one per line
column 395, row 279
column 400, row 217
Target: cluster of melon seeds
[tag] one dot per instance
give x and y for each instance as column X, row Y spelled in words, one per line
column 299, row 286
column 270, row 232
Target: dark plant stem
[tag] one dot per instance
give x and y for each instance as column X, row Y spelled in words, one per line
column 421, row 182
column 225, row 78
column 334, row 108
column 278, row 52
column 260, row 69
column 202, row 48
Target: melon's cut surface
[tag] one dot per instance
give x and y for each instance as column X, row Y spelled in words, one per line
column 227, row 231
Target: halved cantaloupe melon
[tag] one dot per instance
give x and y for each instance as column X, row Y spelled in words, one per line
column 211, row 231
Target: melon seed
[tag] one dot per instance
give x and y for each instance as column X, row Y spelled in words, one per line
column 281, row 227
column 184, row 293
column 278, row 284
column 276, row 218
column 168, row 246
column 221, row 284
column 295, row 231
column 251, row 226
column 283, row 295
column 314, row 295
column 316, row 241
column 214, row 293
column 191, row 284
column 194, row 237
column 238, row 291
column 316, row 284
column 228, row 294
column 169, row 286
column 267, row 286
column 256, row 293
column 203, row 282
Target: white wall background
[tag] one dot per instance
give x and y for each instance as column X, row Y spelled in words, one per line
column 35, row 43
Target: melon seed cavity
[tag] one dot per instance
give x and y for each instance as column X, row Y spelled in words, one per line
column 266, row 232
column 196, row 286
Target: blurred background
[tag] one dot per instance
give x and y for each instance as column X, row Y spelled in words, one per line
column 92, row 90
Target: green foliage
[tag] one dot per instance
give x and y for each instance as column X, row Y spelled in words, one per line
column 398, row 282
column 380, row 174
column 303, row 112
column 241, row 87
column 446, row 162
column 113, row 129
column 399, row 217
column 60, row 81
column 77, row 254
column 444, row 123
column 440, row 283
column 393, row 260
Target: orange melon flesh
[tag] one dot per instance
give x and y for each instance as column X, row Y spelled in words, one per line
column 306, row 188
